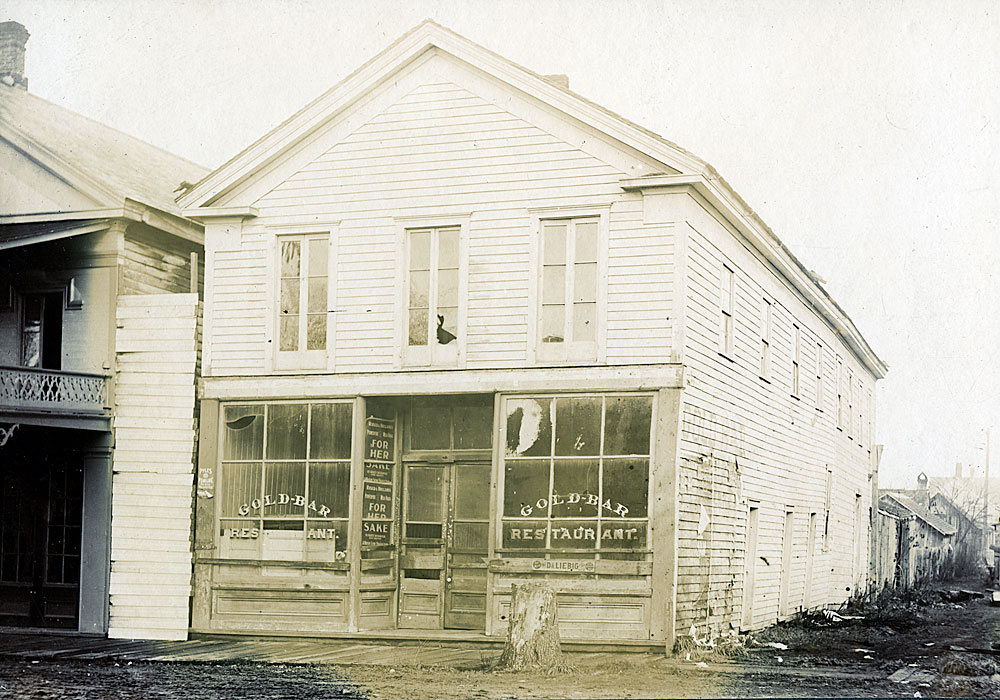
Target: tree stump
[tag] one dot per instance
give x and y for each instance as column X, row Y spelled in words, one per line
column 533, row 634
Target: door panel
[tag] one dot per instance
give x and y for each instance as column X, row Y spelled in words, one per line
column 445, row 543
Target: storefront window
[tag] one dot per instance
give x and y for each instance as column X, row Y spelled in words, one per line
column 284, row 483
column 576, row 474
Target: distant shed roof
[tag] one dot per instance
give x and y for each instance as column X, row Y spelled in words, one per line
column 115, row 164
column 907, row 503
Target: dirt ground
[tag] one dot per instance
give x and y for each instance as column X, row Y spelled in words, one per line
column 935, row 648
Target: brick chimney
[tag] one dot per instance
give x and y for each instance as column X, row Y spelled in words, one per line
column 13, row 37
column 559, row 79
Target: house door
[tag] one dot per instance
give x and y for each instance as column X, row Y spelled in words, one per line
column 41, row 330
column 40, row 530
column 442, row 561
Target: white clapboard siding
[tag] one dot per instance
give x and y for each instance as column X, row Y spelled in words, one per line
column 442, row 149
column 152, row 486
column 783, row 446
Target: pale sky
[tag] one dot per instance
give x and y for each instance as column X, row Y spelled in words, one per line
column 866, row 134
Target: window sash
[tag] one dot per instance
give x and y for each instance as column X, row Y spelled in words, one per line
column 433, row 270
column 726, row 304
column 569, row 254
column 765, row 339
column 303, row 294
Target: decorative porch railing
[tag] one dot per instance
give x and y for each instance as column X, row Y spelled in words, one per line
column 53, row 391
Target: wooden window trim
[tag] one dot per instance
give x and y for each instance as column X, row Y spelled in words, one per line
column 796, row 362
column 424, row 355
column 567, row 353
column 766, row 322
column 284, row 360
column 727, row 308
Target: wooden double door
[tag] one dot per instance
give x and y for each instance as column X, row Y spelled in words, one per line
column 445, row 543
column 41, row 505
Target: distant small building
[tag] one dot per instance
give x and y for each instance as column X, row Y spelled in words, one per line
column 925, row 541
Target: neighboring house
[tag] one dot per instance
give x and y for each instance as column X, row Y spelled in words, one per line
column 465, row 328
column 966, row 491
column 926, row 543
column 99, row 277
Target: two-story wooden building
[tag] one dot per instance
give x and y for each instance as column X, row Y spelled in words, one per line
column 98, row 350
column 465, row 328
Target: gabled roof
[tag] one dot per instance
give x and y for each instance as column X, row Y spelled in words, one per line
column 906, row 503
column 680, row 167
column 99, row 161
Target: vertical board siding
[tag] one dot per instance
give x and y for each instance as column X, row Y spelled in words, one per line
column 782, row 446
column 441, row 149
column 152, row 483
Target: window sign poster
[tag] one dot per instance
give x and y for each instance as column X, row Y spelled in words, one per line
column 378, row 482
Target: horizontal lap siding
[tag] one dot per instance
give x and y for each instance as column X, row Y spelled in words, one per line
column 781, row 445
column 442, row 150
column 151, row 501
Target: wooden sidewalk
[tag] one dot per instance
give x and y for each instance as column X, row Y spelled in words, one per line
column 43, row 646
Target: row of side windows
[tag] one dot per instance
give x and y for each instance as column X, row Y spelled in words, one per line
column 854, row 401
column 567, row 307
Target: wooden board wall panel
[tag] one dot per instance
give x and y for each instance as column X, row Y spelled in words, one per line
column 152, row 486
column 783, row 445
column 440, row 149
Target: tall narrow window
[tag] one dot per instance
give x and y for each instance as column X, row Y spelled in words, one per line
column 850, row 403
column 726, row 294
column 826, row 510
column 819, row 376
column 860, row 412
column 41, row 330
column 765, row 339
column 796, row 357
column 840, row 393
column 433, row 295
column 303, row 298
column 569, row 255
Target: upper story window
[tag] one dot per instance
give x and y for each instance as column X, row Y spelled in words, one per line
column 41, row 330
column 840, row 393
column 303, row 299
column 850, row 403
column 569, row 293
column 726, row 304
column 796, row 358
column 433, row 326
column 819, row 376
column 765, row 340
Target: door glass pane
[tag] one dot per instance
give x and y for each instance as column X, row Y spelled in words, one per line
column 241, row 485
column 578, row 426
column 331, row 431
column 553, row 323
column 526, row 488
column 448, row 248
column 431, row 421
column 420, row 250
column 554, row 244
column 471, row 537
column 330, row 486
column 585, row 282
column 316, row 332
column 425, row 494
column 290, row 252
column 529, row 427
column 576, row 487
column 626, row 482
column 553, row 284
column 448, row 287
column 319, row 256
column 317, row 295
column 474, row 426
column 243, row 434
column 586, row 241
column 286, row 431
column 472, row 492
column 420, row 285
column 627, row 425
column 289, row 332
column 584, row 322
column 284, row 489
column 447, row 324
column 418, row 327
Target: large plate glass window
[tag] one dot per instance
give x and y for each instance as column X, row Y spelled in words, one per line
column 285, row 481
column 576, row 475
column 568, row 313
column 303, row 298
column 433, row 328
